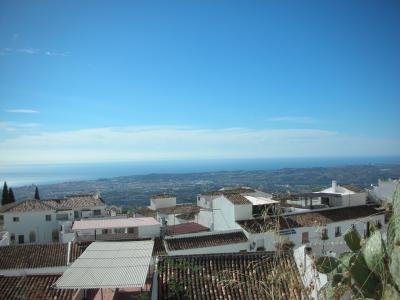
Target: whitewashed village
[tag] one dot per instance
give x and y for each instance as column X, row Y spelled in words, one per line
column 232, row 243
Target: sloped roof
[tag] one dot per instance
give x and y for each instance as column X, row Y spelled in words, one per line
column 186, row 228
column 353, row 188
column 203, row 241
column 68, row 202
column 109, row 265
column 159, row 248
column 237, row 199
column 180, row 209
column 309, row 219
column 257, row 275
column 27, row 205
column 76, row 201
column 162, row 196
column 229, row 191
column 37, row 256
column 32, row 287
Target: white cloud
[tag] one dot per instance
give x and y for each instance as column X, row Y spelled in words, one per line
column 157, row 143
column 49, row 53
column 293, row 119
column 31, row 51
column 13, row 126
column 22, row 111
column 28, row 50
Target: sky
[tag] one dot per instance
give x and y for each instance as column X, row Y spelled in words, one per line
column 87, row 81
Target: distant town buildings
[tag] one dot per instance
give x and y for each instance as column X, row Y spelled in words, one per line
column 233, row 243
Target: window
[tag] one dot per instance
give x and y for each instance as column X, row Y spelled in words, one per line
column 16, row 219
column 48, row 218
column 305, row 238
column 338, row 231
column 62, row 217
column 32, row 237
column 55, row 236
column 96, row 212
column 119, row 230
column 12, row 238
column 324, row 234
column 21, row 239
column 76, row 214
column 105, row 231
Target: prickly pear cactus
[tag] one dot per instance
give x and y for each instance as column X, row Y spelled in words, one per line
column 372, row 269
column 394, row 240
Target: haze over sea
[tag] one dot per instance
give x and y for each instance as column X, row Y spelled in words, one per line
column 19, row 175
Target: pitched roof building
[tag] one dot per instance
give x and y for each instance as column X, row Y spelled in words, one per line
column 39, row 256
column 225, row 241
column 38, row 287
column 257, row 275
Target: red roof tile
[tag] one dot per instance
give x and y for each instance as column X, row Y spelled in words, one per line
column 259, row 275
column 36, row 287
column 211, row 240
column 185, row 228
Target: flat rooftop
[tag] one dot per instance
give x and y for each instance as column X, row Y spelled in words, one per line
column 114, row 223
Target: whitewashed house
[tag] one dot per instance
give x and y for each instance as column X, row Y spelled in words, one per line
column 164, row 209
column 322, row 229
column 40, row 221
column 220, row 210
column 116, row 228
column 229, row 241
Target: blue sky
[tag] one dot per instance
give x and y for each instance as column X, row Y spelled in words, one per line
column 149, row 80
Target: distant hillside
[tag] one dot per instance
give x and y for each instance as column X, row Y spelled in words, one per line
column 136, row 190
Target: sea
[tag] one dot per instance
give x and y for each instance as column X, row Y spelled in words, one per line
column 39, row 174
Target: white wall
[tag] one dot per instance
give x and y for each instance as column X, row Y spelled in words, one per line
column 5, row 240
column 335, row 244
column 149, row 231
column 31, row 221
column 356, row 199
column 223, row 214
column 162, row 202
column 243, row 212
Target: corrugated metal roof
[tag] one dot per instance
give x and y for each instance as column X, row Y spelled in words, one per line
column 109, row 265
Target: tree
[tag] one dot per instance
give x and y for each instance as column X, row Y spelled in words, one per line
column 37, row 197
column 11, row 196
column 5, row 199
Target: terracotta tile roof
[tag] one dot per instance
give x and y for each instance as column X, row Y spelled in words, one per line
column 353, row 188
column 162, row 196
column 319, row 218
column 68, row 202
column 77, row 249
column 27, row 205
column 230, row 191
column 188, row 216
column 237, row 199
column 186, row 228
column 76, row 201
column 257, row 275
column 180, row 209
column 38, row 256
column 211, row 240
column 32, row 288
column 146, row 211
column 159, row 248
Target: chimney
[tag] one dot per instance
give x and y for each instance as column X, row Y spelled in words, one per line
column 334, row 186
